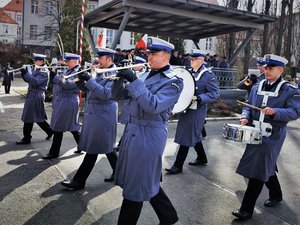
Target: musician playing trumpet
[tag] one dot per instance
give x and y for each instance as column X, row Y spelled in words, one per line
column 281, row 103
column 99, row 128
column 249, row 81
column 34, row 109
column 191, row 123
column 65, row 106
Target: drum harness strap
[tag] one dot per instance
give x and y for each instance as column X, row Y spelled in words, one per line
column 266, row 128
column 194, row 104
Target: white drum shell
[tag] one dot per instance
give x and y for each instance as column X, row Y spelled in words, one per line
column 188, row 91
column 244, row 134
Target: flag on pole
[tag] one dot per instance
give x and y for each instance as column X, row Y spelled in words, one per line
column 142, row 43
column 100, row 40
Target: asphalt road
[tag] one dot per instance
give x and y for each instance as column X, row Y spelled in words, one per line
column 30, row 190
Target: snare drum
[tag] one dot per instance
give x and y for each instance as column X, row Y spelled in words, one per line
column 188, row 91
column 244, row 134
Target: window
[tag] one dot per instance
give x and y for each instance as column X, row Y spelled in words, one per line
column 19, row 31
column 110, row 34
column 91, row 7
column 19, row 18
column 49, row 8
column 208, row 44
column 132, row 41
column 47, row 52
column 6, row 29
column 48, row 33
column 34, row 6
column 33, row 32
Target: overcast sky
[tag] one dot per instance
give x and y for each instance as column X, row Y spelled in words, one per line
column 3, row 2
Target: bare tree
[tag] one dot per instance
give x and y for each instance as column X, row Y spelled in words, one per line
column 231, row 37
column 290, row 25
column 247, row 49
column 280, row 27
column 266, row 34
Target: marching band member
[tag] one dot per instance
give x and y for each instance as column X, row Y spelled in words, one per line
column 99, row 128
column 34, row 109
column 281, row 103
column 139, row 165
column 60, row 72
column 191, row 123
column 123, row 117
column 65, row 114
column 252, row 79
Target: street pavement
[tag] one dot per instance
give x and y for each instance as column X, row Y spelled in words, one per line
column 30, row 190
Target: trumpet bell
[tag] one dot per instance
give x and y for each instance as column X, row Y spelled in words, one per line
column 247, row 82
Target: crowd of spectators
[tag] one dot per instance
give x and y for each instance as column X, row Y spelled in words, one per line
column 177, row 58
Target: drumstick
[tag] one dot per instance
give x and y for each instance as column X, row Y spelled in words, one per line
column 251, row 106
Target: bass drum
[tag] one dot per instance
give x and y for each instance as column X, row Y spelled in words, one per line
column 188, row 91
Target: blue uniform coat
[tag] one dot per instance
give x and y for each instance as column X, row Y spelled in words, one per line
column 190, row 123
column 7, row 77
column 140, row 158
column 34, row 109
column 259, row 161
column 99, row 128
column 66, row 104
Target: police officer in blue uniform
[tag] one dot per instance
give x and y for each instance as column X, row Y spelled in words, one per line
column 59, row 71
column 281, row 103
column 99, row 128
column 34, row 109
column 65, row 114
column 191, row 123
column 249, row 81
column 123, row 117
column 139, row 165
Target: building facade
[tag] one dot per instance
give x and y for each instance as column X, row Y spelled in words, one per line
column 8, row 29
column 14, row 10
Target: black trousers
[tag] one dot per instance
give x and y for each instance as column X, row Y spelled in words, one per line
column 27, row 129
column 7, row 89
column 254, row 188
column 183, row 151
column 88, row 164
column 131, row 210
column 57, row 139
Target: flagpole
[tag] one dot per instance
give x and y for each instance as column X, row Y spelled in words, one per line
column 81, row 30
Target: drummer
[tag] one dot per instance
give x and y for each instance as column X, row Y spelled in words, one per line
column 190, row 124
column 258, row 162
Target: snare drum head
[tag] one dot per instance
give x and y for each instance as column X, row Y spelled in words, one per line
column 188, row 90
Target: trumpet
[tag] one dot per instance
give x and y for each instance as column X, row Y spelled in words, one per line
column 247, row 82
column 250, row 80
column 108, row 70
column 18, row 69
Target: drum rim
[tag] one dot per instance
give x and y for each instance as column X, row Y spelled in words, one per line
column 194, row 82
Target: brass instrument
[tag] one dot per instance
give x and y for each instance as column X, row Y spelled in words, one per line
column 247, row 82
column 108, row 70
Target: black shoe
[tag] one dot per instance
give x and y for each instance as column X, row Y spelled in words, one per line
column 198, row 162
column 77, row 151
column 272, row 202
column 241, row 214
column 50, row 156
column 49, row 136
column 174, row 170
column 23, row 142
column 110, row 179
column 72, row 185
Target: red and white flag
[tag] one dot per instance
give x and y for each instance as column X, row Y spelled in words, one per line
column 100, row 40
column 142, row 43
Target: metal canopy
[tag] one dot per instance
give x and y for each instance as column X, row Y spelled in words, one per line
column 186, row 19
